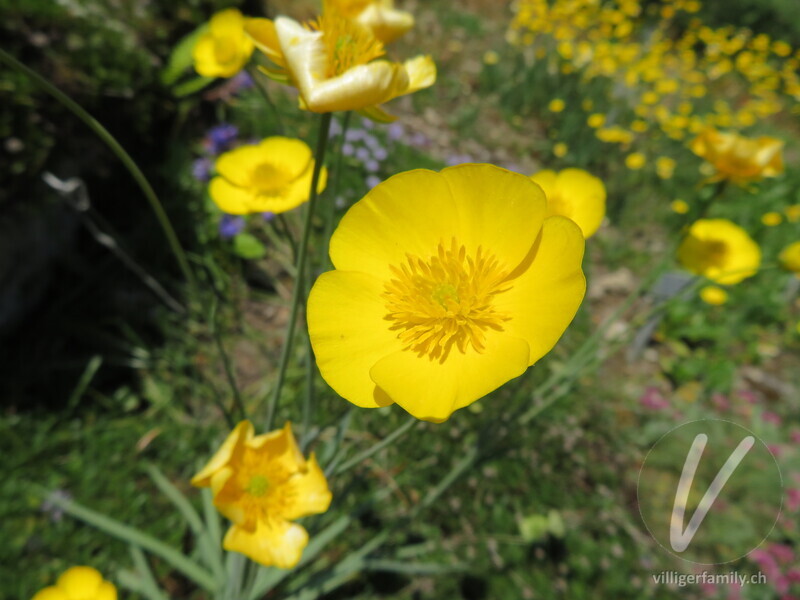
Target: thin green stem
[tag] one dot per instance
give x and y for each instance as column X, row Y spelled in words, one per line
column 262, row 88
column 374, row 449
column 119, row 151
column 302, row 257
column 226, row 363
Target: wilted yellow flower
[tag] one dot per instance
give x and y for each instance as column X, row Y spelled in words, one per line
column 635, row 161
column 738, row 158
column 446, row 286
column 273, row 176
column 771, row 219
column 711, row 294
column 263, row 483
column 665, row 167
column 790, row 258
column 560, row 149
column 332, row 62
column 575, row 194
column 224, row 49
column 79, row 583
column 380, row 17
column 556, row 105
column 719, row 250
column 679, row 206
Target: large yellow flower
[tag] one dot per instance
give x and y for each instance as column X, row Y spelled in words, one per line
column 382, row 19
column 446, row 286
column 575, row 194
column 719, row 250
column 738, row 158
column 273, row 176
column 263, row 483
column 224, row 49
column 79, row 583
column 332, row 64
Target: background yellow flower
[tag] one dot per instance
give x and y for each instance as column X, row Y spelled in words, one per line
column 790, row 257
column 575, row 194
column 263, row 483
column 79, row 583
column 711, row 294
column 225, row 49
column 273, row 176
column 446, row 286
column 738, row 158
column 719, row 250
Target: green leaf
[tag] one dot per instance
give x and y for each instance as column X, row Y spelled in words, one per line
column 248, row 246
column 191, row 86
column 181, row 57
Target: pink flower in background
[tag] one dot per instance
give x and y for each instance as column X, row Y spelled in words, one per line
column 653, row 399
column 795, row 436
column 792, row 499
column 782, row 553
column 720, row 401
column 770, row 417
column 749, row 395
column 775, row 449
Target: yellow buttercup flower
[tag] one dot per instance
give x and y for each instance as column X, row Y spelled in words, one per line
column 575, row 194
column 447, row 285
column 556, row 105
column 380, row 17
column 793, row 213
column 679, row 206
column 560, row 149
column 224, row 49
column 332, row 62
column 79, row 583
column 665, row 167
column 273, row 176
column 635, row 161
column 711, row 294
column 263, row 483
column 738, row 158
column 771, row 219
column 719, row 250
column 790, row 258
column 596, row 120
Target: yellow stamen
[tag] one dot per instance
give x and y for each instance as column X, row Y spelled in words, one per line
column 257, row 486
column 446, row 301
column 347, row 44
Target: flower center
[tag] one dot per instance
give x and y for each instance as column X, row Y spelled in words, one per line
column 446, row 301
column 347, row 44
column 713, row 253
column 269, row 179
column 257, row 486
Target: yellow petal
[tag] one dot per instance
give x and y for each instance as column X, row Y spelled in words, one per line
column 294, row 195
column 586, row 197
column 549, row 288
column 277, row 543
column 232, row 199
column 290, row 155
column 227, row 494
column 51, row 593
column 359, row 87
column 226, row 453
column 80, row 582
column 280, row 447
column 227, row 22
column 106, row 591
column 264, row 36
column 421, row 72
column 203, row 53
column 309, row 492
column 349, row 333
column 431, row 390
column 386, row 23
column 237, row 165
column 546, row 179
column 479, row 205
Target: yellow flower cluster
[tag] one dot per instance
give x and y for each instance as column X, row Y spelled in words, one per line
column 665, row 79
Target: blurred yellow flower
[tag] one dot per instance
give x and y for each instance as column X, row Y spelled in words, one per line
column 263, row 483
column 596, row 120
column 273, row 176
column 224, row 49
column 79, row 583
column 575, row 194
column 737, row 158
column 665, row 167
column 332, row 62
column 793, row 213
column 771, row 219
column 380, row 17
column 447, row 285
column 560, row 149
column 790, row 258
column 490, row 57
column 679, row 206
column 635, row 161
column 711, row 294
column 719, row 250
column 556, row 105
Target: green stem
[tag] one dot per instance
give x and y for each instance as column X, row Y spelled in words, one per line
column 260, row 84
column 302, row 255
column 119, row 151
column 330, row 209
column 389, row 439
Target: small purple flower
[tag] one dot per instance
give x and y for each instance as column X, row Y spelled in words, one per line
column 241, row 81
column 367, row 124
column 395, row 131
column 201, row 169
column 371, row 141
column 230, row 226
column 363, row 154
column 268, row 216
column 354, row 135
column 380, row 153
column 347, row 149
column 457, row 159
column 336, row 128
column 419, row 140
column 372, row 181
column 220, row 137
column 372, row 166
